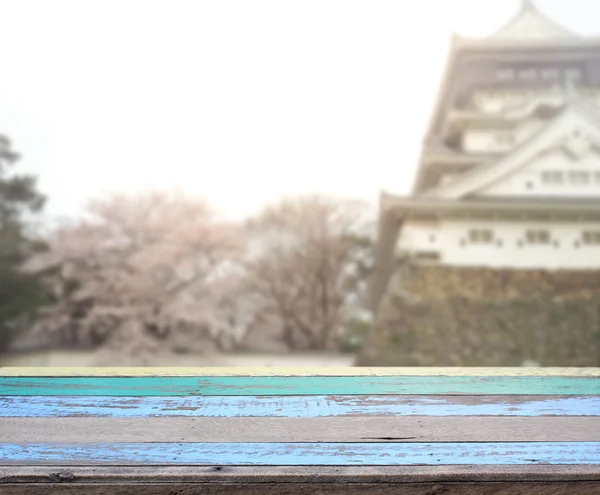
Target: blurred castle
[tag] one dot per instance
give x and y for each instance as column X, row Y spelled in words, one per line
column 509, row 175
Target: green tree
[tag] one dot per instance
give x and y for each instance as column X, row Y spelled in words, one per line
column 20, row 292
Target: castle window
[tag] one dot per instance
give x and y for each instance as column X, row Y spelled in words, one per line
column 506, row 75
column 537, row 237
column 550, row 74
column 481, row 236
column 579, row 177
column 573, row 75
column 591, row 237
column 528, row 75
column 552, row 177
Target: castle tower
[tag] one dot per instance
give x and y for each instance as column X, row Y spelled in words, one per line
column 509, row 175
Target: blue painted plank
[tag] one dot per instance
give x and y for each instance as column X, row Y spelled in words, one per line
column 305, row 454
column 298, row 385
column 298, row 406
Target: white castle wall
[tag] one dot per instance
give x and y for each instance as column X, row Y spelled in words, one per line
column 450, row 238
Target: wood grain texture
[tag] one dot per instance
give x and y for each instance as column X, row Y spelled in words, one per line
column 296, row 474
column 300, row 406
column 348, row 429
column 535, row 488
column 303, row 454
column 309, row 430
column 298, row 385
column 295, row 371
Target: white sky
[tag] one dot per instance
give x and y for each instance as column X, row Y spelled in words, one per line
column 238, row 100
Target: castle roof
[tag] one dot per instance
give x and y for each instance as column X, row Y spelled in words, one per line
column 530, row 24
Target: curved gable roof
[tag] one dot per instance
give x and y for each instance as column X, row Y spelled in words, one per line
column 585, row 115
column 530, row 23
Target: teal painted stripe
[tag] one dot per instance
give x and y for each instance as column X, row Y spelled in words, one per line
column 305, row 454
column 299, row 406
column 302, row 385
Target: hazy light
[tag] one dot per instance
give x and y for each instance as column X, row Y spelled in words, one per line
column 238, row 100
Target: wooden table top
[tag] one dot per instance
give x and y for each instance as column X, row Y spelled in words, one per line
column 319, row 430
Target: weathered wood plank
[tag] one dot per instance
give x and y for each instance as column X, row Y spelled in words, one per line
column 300, row 385
column 302, row 454
column 300, row 406
column 462, row 431
column 376, row 429
column 536, row 488
column 296, row 474
column 295, row 371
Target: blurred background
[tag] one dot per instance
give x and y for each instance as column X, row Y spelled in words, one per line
column 199, row 183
